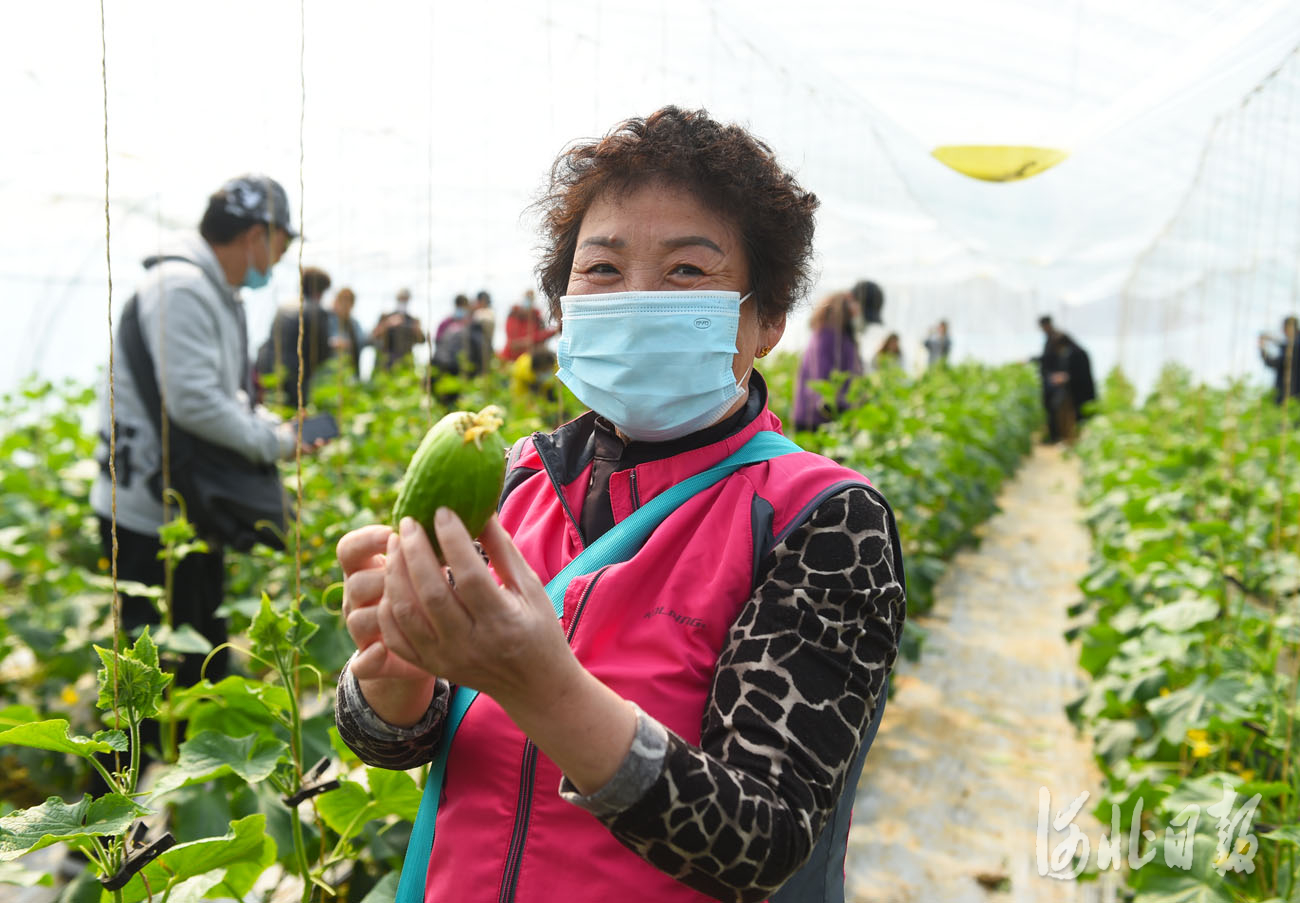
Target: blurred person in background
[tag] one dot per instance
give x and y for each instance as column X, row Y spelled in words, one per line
column 396, row 333
column 482, row 313
column 938, row 344
column 193, row 326
column 346, row 335
column 871, row 302
column 525, row 329
column 832, row 349
column 458, row 317
column 462, row 347
column 1066, row 374
column 889, row 354
column 279, row 353
column 1284, row 361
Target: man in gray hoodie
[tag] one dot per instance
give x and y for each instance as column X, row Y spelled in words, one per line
column 192, row 324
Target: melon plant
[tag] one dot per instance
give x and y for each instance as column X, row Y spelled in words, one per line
column 460, row 464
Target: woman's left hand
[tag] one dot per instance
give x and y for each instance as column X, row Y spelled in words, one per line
column 501, row 639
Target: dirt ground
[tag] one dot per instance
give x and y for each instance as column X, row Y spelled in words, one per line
column 948, row 806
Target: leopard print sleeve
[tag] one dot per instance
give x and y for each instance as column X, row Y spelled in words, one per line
column 796, row 686
column 378, row 743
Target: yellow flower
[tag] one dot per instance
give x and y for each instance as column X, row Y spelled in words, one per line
column 69, row 696
column 1201, row 749
column 1164, row 691
column 104, row 564
column 1247, row 774
column 317, row 540
column 1196, row 736
column 56, row 530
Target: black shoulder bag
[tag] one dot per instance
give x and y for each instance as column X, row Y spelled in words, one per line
column 227, row 497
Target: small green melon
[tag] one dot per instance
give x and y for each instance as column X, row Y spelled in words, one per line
column 461, row 463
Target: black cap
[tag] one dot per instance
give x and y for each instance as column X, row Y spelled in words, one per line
column 256, row 198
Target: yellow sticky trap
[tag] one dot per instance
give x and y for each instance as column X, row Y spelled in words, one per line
column 998, row 162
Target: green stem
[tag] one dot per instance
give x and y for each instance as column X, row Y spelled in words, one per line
column 168, row 737
column 109, row 780
column 300, row 850
column 295, row 747
column 133, row 726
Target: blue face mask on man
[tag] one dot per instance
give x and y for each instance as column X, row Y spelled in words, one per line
column 255, row 278
column 656, row 364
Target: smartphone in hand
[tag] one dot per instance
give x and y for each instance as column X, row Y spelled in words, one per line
column 319, row 426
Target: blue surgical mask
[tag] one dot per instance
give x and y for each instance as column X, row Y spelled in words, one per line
column 255, row 278
column 656, row 364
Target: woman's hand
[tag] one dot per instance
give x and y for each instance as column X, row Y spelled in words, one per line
column 501, row 639
column 398, row 691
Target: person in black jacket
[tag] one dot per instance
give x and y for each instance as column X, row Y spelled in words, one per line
column 280, row 350
column 396, row 333
column 1067, row 382
column 1285, row 362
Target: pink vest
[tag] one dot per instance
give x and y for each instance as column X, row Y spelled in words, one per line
column 650, row 628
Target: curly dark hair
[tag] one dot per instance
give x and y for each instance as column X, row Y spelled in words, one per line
column 727, row 168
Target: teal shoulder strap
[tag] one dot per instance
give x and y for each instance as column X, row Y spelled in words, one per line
column 618, row 544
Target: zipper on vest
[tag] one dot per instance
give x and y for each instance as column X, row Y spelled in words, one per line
column 523, row 807
column 528, row 779
column 559, row 493
column 636, row 493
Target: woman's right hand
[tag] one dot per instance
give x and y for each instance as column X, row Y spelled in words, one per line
column 398, row 691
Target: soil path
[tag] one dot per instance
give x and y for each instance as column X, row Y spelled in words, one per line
column 948, row 805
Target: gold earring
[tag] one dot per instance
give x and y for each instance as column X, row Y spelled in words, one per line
column 765, row 351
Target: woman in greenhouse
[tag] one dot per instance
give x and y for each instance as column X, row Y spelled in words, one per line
column 832, row 349
column 693, row 724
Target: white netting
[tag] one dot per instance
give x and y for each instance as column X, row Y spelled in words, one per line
column 429, row 129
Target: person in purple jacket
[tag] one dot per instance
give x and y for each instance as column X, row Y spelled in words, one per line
column 832, row 349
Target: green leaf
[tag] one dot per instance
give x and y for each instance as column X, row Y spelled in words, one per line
column 1101, row 642
column 14, row 715
column 183, row 639
column 385, row 891
column 210, row 754
column 1289, row 834
column 54, row 736
column 1114, row 739
column 269, row 631
column 54, row 820
column 1236, row 699
column 396, row 791
column 126, row 587
column 1182, row 709
column 272, row 631
column 131, row 679
column 1181, row 887
column 1183, row 615
column 245, row 852
column 346, row 809
column 192, row 890
column 12, row 873
column 116, row 739
column 1203, row 790
column 237, row 706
